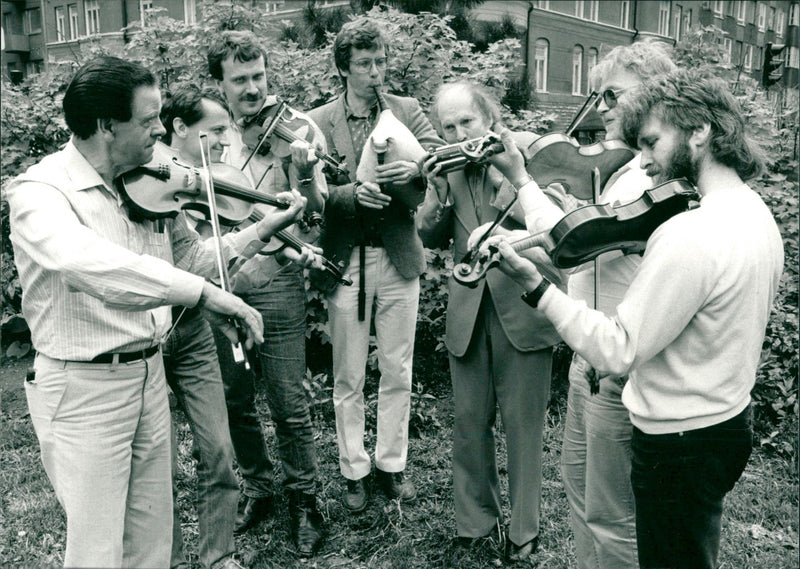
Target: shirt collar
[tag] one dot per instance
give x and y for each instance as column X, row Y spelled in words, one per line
column 82, row 174
column 348, row 112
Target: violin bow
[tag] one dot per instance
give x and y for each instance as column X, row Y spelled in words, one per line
column 590, row 103
column 273, row 123
column 239, row 354
column 501, row 216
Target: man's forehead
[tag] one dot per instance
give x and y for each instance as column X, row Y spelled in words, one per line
column 146, row 99
column 378, row 50
column 236, row 67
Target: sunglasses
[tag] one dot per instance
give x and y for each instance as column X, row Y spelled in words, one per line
column 611, row 97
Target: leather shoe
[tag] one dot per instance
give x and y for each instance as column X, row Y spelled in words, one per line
column 355, row 496
column 255, row 510
column 394, row 485
column 522, row 552
column 306, row 523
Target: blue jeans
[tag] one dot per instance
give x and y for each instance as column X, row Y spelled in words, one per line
column 596, row 470
column 193, row 374
column 282, row 359
column 679, row 481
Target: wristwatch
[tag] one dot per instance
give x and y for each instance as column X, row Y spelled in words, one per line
column 533, row 297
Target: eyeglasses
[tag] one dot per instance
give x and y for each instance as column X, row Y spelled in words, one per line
column 365, row 65
column 611, row 97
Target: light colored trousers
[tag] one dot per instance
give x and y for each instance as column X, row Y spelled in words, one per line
column 494, row 374
column 596, row 470
column 104, row 434
column 396, row 300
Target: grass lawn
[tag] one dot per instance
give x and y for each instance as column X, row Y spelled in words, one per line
column 760, row 527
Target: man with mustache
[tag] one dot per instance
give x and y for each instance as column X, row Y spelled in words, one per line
column 96, row 285
column 689, row 329
column 373, row 235
column 276, row 287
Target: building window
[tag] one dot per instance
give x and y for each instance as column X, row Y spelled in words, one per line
column 748, row 58
column 738, row 54
column 591, row 62
column 793, row 57
column 687, row 22
column 61, row 24
column 145, row 14
column 741, row 10
column 759, row 57
column 594, row 10
column 624, row 13
column 577, row 70
column 728, row 43
column 579, row 7
column 771, row 19
column 72, row 12
column 33, row 21
column 542, row 4
column 729, row 8
column 92, row 9
column 190, row 11
column 718, row 8
column 540, row 63
column 793, row 14
column 762, row 17
column 663, row 18
column 677, row 16
column 779, row 22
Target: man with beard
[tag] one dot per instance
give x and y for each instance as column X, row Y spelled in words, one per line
column 275, row 286
column 689, row 329
column 596, row 446
column 375, row 236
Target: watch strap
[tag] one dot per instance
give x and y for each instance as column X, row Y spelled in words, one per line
column 533, row 297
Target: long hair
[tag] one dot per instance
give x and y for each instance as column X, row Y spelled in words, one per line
column 241, row 45
column 687, row 100
column 103, row 88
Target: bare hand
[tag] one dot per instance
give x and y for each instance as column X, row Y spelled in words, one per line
column 431, row 170
column 221, row 306
column 511, row 163
column 309, row 256
column 276, row 219
column 370, row 195
column 397, row 172
column 478, row 233
column 303, row 157
column 518, row 268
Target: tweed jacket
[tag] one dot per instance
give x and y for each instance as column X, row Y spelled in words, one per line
column 525, row 328
column 344, row 217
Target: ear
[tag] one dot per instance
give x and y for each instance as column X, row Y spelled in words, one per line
column 106, row 127
column 701, row 135
column 179, row 127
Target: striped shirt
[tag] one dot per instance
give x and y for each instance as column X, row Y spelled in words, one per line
column 93, row 281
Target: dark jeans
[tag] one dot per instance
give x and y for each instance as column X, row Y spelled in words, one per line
column 282, row 358
column 679, row 483
column 193, row 374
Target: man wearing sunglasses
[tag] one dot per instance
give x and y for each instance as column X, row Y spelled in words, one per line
column 595, row 453
column 375, row 237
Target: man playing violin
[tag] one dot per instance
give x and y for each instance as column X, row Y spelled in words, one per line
column 374, row 236
column 190, row 354
column 500, row 354
column 689, row 328
column 596, row 447
column 96, row 286
column 276, row 287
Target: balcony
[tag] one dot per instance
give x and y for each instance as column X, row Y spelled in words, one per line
column 16, row 43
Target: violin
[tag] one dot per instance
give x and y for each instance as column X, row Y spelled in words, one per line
column 165, row 186
column 551, row 158
column 281, row 121
column 589, row 231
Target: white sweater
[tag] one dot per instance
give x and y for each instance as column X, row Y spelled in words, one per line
column 689, row 329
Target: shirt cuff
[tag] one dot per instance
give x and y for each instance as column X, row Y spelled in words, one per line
column 185, row 289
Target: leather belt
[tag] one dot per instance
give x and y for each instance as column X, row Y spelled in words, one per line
column 125, row 357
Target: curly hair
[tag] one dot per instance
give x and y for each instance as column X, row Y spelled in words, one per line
column 103, row 88
column 361, row 33
column 242, row 45
column 687, row 100
column 645, row 59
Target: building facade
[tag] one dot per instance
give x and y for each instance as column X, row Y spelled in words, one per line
column 36, row 33
column 563, row 39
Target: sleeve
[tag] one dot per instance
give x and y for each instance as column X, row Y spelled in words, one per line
column 434, row 221
column 45, row 226
column 669, row 288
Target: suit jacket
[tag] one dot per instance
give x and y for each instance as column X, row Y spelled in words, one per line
column 344, row 217
column 525, row 328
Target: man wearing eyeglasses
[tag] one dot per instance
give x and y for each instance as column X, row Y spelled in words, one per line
column 375, row 236
column 596, row 449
